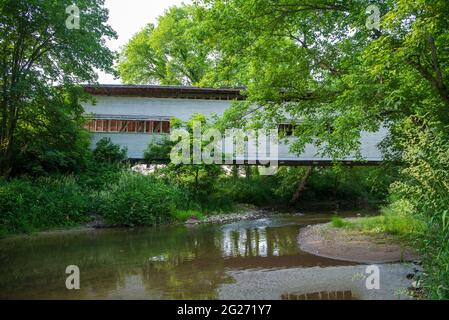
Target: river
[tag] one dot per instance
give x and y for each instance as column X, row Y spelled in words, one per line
column 257, row 259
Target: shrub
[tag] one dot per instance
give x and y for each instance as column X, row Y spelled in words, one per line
column 138, row 200
column 104, row 166
column 108, row 152
column 45, row 203
column 336, row 183
column 257, row 190
column 158, row 151
column 98, row 175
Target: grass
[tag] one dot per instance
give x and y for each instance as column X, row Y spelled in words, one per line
column 338, row 222
column 184, row 215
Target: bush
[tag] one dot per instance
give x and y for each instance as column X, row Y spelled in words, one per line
column 98, row 175
column 158, row 151
column 257, row 190
column 138, row 200
column 104, row 166
column 45, row 203
column 336, row 183
column 108, row 152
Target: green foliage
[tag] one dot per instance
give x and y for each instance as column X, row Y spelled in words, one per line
column 173, row 53
column 386, row 223
column 138, row 200
column 103, row 166
column 197, row 178
column 396, row 219
column 257, row 190
column 45, row 203
column 336, row 183
column 108, row 152
column 50, row 139
column 184, row 215
column 318, row 62
column 424, row 185
column 42, row 63
column 97, row 176
column 338, row 222
column 158, row 151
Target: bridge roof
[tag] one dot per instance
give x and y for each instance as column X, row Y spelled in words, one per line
column 153, row 91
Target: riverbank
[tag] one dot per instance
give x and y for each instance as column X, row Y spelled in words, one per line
column 247, row 213
column 353, row 245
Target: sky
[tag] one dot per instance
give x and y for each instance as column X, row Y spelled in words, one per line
column 128, row 17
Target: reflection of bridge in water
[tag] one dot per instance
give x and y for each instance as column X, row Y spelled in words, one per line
column 249, row 243
column 266, row 247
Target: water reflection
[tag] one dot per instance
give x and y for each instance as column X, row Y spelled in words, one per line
column 153, row 263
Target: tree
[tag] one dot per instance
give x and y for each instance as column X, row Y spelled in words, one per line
column 39, row 52
column 49, row 137
column 173, row 53
column 198, row 178
column 319, row 62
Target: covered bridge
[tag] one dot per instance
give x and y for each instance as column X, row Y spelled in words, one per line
column 133, row 116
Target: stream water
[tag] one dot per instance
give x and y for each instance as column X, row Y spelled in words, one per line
column 166, row 262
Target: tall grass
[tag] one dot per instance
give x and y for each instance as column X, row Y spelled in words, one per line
column 31, row 205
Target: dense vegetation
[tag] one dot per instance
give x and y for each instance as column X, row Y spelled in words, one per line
column 41, row 66
column 110, row 190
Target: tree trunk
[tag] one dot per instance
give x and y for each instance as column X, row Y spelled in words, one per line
column 6, row 149
column 301, row 186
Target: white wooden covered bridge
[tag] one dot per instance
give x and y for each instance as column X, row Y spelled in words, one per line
column 134, row 116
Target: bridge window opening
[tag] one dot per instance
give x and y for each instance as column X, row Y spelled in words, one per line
column 157, row 127
column 123, row 126
column 131, row 126
column 90, row 126
column 128, row 126
column 149, row 125
column 102, row 126
column 140, row 126
column 165, row 127
column 113, row 125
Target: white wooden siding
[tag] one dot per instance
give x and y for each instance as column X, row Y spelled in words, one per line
column 156, row 108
